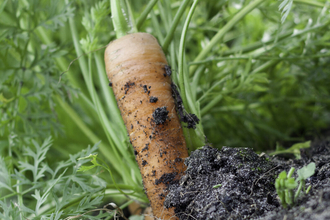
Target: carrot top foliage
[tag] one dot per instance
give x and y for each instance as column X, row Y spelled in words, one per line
column 254, row 72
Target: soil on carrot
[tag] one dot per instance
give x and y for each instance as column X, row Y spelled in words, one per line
column 160, row 115
column 128, row 85
column 153, row 99
column 168, row 70
column 237, row 183
column 189, row 118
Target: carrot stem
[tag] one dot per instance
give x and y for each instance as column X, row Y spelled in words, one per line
column 231, row 23
column 312, row 3
column 131, row 17
column 113, row 154
column 157, row 26
column 174, row 24
column 181, row 54
column 108, row 94
column 118, row 19
column 193, row 139
column 163, row 14
column 145, row 13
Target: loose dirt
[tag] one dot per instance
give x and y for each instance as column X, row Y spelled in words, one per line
column 237, row 183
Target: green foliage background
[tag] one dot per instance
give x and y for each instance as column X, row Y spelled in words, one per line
column 254, row 74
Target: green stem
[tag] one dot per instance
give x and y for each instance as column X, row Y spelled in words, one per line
column 290, row 173
column 109, row 97
column 195, row 80
column 124, row 187
column 312, row 3
column 67, row 108
column 258, row 57
column 211, row 104
column 131, row 17
column 157, row 26
column 117, row 119
column 174, row 24
column 257, row 45
column 15, row 111
column 213, row 87
column 118, row 19
column 181, row 53
column 193, row 139
column 265, row 66
column 105, row 166
column 300, row 187
column 206, row 51
column 238, row 107
column 80, row 124
column 163, row 15
column 112, row 155
column 61, row 62
column 19, row 196
column 145, row 13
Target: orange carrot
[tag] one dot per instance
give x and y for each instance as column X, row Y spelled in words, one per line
column 140, row 77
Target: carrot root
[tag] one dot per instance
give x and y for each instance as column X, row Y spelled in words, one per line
column 140, row 77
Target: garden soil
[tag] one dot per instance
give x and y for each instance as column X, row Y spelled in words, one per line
column 237, row 183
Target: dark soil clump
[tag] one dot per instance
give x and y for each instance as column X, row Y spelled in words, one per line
column 167, row 179
column 160, row 115
column 236, row 183
column 191, row 119
column 153, row 99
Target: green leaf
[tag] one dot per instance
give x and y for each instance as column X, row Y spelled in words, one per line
column 306, row 171
column 56, row 216
column 4, row 100
column 277, row 184
column 88, row 203
column 282, row 175
column 87, row 157
column 291, row 183
column 289, row 196
column 94, row 161
column 38, row 156
column 285, row 6
column 299, row 146
column 294, row 149
column 86, row 168
column 4, row 176
column 290, row 173
column 260, row 88
column 281, row 195
column 217, row 186
column 56, row 19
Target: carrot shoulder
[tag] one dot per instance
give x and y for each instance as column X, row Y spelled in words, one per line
column 138, row 71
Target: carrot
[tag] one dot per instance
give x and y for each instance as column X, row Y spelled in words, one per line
column 140, row 78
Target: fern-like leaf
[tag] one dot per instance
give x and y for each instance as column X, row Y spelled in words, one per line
column 285, row 7
column 38, row 156
column 4, row 176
